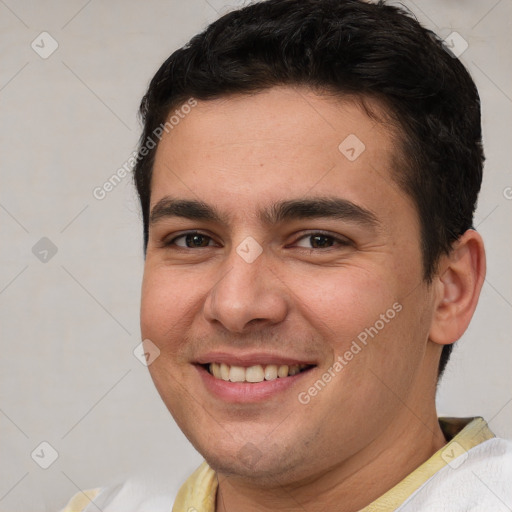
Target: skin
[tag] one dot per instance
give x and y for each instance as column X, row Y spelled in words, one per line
column 305, row 299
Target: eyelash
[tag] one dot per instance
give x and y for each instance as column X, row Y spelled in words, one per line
column 336, row 240
column 340, row 241
column 183, row 235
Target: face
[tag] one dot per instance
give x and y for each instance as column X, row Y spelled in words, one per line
column 283, row 283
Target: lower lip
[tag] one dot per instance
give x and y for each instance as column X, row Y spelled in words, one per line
column 248, row 392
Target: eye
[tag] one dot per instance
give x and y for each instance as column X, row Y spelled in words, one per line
column 320, row 241
column 192, row 240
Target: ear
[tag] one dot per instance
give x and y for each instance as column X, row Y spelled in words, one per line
column 457, row 286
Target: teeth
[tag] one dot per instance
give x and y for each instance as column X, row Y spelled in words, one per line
column 256, row 373
column 270, row 372
column 293, row 370
column 237, row 374
column 224, row 371
column 282, row 371
column 215, row 369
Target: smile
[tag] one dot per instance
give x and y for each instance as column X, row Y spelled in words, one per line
column 251, row 377
column 255, row 373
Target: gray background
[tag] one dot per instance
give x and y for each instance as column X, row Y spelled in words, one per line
column 69, row 324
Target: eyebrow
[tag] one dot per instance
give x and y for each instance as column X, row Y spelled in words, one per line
column 295, row 209
column 189, row 209
column 319, row 207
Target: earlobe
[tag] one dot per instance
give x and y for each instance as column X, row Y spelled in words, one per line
column 457, row 288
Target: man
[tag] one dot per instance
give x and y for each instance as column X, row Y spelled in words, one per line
column 310, row 261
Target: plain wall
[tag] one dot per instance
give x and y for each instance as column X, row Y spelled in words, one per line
column 69, row 325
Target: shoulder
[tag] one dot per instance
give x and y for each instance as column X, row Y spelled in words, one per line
column 479, row 477
column 79, row 501
column 134, row 495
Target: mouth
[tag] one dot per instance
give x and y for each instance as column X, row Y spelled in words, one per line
column 255, row 373
column 251, row 377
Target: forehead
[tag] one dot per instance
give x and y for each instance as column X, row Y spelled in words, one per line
column 276, row 145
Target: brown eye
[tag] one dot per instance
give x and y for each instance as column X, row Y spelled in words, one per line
column 192, row 241
column 320, row 241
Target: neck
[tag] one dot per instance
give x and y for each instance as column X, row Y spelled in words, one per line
column 350, row 486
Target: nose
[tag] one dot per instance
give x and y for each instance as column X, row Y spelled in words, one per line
column 247, row 293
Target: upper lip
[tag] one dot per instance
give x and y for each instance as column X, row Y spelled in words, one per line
column 251, row 359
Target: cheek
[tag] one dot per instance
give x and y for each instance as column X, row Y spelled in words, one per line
column 394, row 350
column 166, row 304
column 165, row 320
column 342, row 302
column 370, row 321
column 155, row 300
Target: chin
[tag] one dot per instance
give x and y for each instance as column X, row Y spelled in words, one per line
column 263, row 464
column 263, row 470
